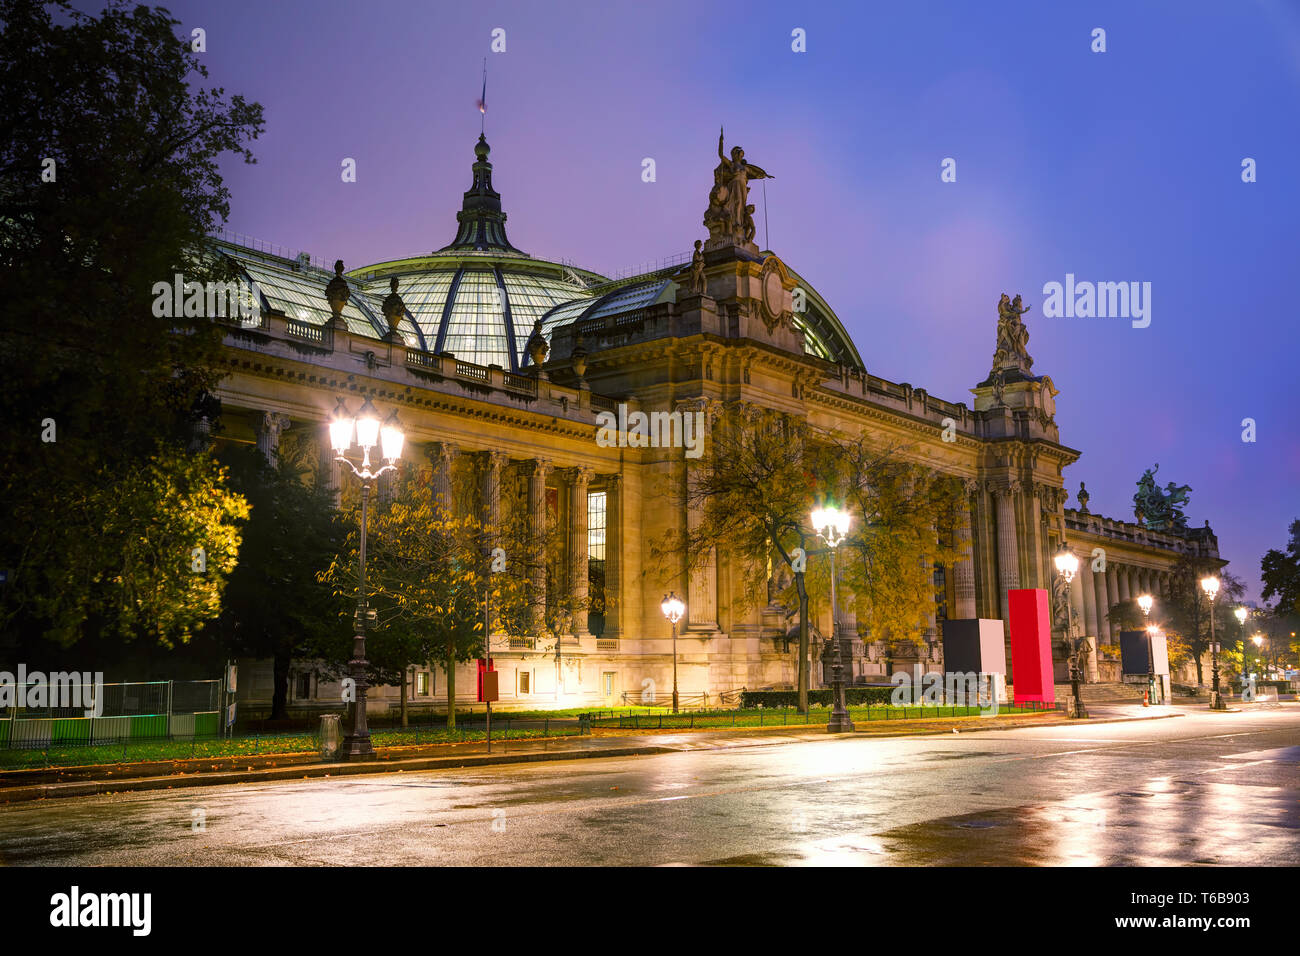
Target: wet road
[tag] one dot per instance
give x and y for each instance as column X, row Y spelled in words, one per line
column 1198, row 789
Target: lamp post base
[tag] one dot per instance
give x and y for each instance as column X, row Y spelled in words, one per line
column 1076, row 709
column 356, row 748
column 839, row 724
column 1216, row 701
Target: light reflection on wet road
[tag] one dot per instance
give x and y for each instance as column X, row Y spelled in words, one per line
column 1199, row 789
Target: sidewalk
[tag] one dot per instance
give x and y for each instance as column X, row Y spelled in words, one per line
column 25, row 785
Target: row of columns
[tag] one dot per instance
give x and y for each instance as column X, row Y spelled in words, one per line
column 1099, row 591
column 269, row 426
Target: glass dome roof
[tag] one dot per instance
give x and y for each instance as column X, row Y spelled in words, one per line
column 479, row 297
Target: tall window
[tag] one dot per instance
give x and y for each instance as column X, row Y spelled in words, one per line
column 941, row 593
column 596, row 528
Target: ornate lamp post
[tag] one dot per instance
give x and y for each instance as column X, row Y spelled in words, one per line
column 1241, row 614
column 832, row 526
column 1144, row 602
column 673, row 609
column 368, row 432
column 1210, row 585
column 1067, row 565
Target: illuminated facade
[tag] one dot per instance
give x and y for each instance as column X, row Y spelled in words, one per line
column 455, row 347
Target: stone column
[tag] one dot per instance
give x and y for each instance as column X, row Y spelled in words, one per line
column 538, row 470
column 1112, row 597
column 578, row 478
column 490, row 493
column 1125, row 589
column 963, row 570
column 1008, row 550
column 1079, row 602
column 1098, row 583
column 441, row 455
column 613, row 556
column 331, row 470
column 269, row 426
column 1089, row 593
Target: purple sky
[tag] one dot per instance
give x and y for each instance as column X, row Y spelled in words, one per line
column 1115, row 166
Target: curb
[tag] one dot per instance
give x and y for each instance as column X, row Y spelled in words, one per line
column 89, row 788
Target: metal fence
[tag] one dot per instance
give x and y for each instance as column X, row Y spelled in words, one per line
column 67, row 714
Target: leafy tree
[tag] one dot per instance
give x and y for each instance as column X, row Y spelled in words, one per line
column 532, row 552
column 108, row 185
column 1280, row 573
column 140, row 553
column 751, row 493
column 275, row 606
column 904, row 520
column 427, row 580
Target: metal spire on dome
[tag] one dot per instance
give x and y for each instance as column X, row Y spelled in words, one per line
column 482, row 222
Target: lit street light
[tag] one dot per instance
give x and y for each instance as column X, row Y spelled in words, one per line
column 1210, row 585
column 1144, row 602
column 673, row 609
column 832, row 526
column 1241, row 614
column 1067, row 565
column 368, row 432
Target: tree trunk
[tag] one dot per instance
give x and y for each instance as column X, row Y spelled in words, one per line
column 803, row 643
column 280, row 684
column 450, row 664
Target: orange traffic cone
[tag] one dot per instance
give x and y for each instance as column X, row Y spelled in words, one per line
column 1146, row 698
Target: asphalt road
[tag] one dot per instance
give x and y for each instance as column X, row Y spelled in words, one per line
column 1198, row 789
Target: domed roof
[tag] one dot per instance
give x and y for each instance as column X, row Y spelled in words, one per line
column 478, row 298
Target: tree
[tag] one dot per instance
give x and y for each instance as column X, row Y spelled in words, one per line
column 142, row 553
column 427, row 580
column 108, row 185
column 274, row 605
column 904, row 521
column 531, row 551
column 751, row 493
column 1280, row 573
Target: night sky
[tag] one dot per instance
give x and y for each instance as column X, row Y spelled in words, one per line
column 1115, row 166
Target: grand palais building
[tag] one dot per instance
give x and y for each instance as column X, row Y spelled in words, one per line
column 455, row 349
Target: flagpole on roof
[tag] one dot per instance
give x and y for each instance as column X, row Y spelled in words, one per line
column 482, row 102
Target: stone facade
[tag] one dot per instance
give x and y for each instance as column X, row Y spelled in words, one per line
column 739, row 340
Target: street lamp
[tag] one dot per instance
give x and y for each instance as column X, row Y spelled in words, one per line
column 1067, row 565
column 1210, row 585
column 389, row 436
column 1259, row 642
column 1241, row 614
column 1144, row 602
column 673, row 609
column 832, row 526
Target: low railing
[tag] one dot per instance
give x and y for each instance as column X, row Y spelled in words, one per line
column 520, row 383
column 475, row 373
column 316, row 334
column 522, row 643
column 604, row 404
column 421, row 359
